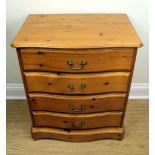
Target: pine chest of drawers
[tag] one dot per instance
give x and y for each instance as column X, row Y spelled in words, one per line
column 77, row 71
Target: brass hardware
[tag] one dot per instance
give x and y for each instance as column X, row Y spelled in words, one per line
column 83, row 62
column 72, row 125
column 82, row 87
column 82, row 107
column 71, row 87
column 70, row 62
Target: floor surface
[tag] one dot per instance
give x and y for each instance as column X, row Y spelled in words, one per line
column 19, row 140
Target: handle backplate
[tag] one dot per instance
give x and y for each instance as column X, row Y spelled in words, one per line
column 74, row 109
column 72, row 88
column 72, row 125
column 71, row 64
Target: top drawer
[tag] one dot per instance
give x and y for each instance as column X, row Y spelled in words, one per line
column 88, row 60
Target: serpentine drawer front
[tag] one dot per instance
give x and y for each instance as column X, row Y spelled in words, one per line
column 77, row 83
column 77, row 71
column 77, row 60
column 77, row 121
column 77, row 104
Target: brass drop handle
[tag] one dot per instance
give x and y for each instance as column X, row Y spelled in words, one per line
column 72, row 125
column 82, row 87
column 71, row 87
column 71, row 64
column 82, row 107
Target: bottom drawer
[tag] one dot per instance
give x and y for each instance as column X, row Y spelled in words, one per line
column 77, row 121
column 77, row 135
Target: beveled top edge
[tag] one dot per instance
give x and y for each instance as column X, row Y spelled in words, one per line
column 59, row 44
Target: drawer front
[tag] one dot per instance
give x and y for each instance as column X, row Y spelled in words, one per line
column 93, row 60
column 77, row 121
column 77, row 104
column 76, row 83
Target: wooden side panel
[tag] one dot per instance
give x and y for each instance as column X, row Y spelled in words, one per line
column 77, row 135
column 77, row 84
column 129, row 86
column 24, row 82
column 77, row 121
column 77, row 104
column 114, row 59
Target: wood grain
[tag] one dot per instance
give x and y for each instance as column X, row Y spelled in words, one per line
column 78, row 135
column 24, row 82
column 129, row 85
column 115, row 59
column 77, row 104
column 19, row 141
column 77, row 121
column 61, row 83
column 77, row 31
column 50, row 45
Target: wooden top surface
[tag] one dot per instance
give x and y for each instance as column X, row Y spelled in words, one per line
column 77, row 31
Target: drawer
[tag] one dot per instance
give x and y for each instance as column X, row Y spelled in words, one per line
column 77, row 83
column 77, row 121
column 77, row 104
column 90, row 60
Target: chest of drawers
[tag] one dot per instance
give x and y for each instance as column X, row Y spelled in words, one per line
column 77, row 71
